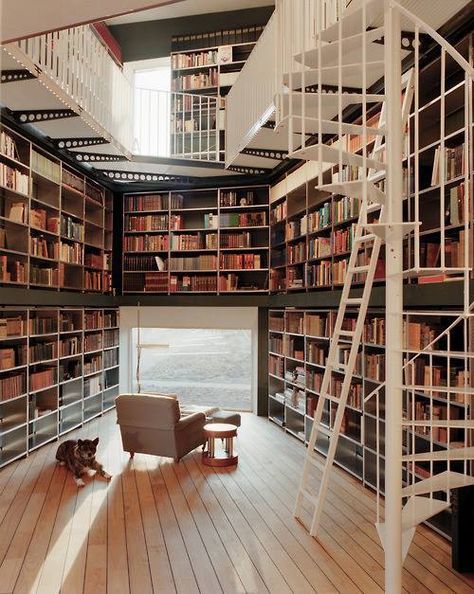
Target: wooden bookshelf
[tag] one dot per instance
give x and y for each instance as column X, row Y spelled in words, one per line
column 58, row 370
column 55, row 224
column 205, row 70
column 298, row 343
column 204, row 241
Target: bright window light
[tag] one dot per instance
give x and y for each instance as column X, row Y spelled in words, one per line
column 152, row 111
column 202, row 366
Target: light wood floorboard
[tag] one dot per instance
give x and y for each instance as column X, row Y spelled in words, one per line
column 163, row 528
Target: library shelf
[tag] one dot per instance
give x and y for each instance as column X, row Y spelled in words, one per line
column 49, row 410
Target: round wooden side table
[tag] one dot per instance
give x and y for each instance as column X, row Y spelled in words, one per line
column 225, row 457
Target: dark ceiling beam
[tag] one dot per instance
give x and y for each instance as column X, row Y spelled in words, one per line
column 250, row 170
column 7, row 76
column 33, row 116
column 69, row 143
column 276, row 154
column 152, row 39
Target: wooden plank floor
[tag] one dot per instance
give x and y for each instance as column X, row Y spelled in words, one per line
column 161, row 527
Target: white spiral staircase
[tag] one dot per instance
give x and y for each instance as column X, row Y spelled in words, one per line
column 341, row 61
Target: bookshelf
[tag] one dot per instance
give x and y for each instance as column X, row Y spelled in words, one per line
column 205, row 65
column 55, row 224
column 298, row 343
column 197, row 241
column 58, row 370
column 320, row 225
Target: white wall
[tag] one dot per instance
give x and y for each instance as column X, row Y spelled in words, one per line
column 228, row 318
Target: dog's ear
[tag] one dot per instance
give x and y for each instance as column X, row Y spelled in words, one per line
column 95, row 441
column 79, row 442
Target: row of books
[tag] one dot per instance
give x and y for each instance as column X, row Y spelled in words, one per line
column 43, row 351
column 204, row 58
column 111, row 338
column 296, row 227
column 320, row 218
column 44, row 248
column 248, row 219
column 146, row 223
column 241, row 261
column 13, row 356
column 218, row 38
column 236, row 198
column 71, row 253
column 94, row 260
column 72, row 229
column 92, row 342
column 92, row 385
column 111, row 358
column 146, row 202
column 374, row 331
column 93, row 281
column 202, row 262
column 200, row 80
column 319, row 247
column 12, row 386
column 346, row 208
column 144, row 263
column 12, row 270
column 430, row 253
column 17, row 212
column 454, row 161
column 92, row 364
column 42, row 219
column 199, row 283
column 183, row 103
column 14, row 179
column 278, row 213
column 45, row 167
column 12, row 326
column 375, row 366
column 93, row 320
column 146, row 243
column 72, row 180
column 43, row 379
column 43, row 276
column 275, row 344
column 198, row 241
column 236, row 240
column 8, row 145
column 296, row 253
column 275, row 366
column 95, row 193
column 70, row 346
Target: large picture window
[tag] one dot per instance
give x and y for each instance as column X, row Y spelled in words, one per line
column 202, row 366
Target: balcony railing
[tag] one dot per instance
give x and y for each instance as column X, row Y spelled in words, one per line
column 77, row 68
column 179, row 125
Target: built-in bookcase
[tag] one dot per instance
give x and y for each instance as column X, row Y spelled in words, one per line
column 58, row 370
column 298, row 344
column 312, row 231
column 197, row 241
column 55, row 224
column 205, row 66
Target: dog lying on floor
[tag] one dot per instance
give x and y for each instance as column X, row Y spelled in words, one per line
column 79, row 457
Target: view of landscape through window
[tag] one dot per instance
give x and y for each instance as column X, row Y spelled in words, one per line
column 203, row 367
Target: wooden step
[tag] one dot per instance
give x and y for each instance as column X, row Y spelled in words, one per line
column 332, row 155
column 439, row 482
column 329, row 104
column 329, row 75
column 350, row 49
column 419, row 509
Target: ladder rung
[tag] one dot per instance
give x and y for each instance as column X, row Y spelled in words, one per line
column 307, row 495
column 316, row 462
column 365, row 238
column 353, row 300
column 325, row 430
column 349, row 333
column 364, row 268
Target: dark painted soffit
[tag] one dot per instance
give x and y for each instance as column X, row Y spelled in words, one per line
column 152, row 39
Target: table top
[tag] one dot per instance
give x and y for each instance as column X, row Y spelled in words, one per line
column 220, row 429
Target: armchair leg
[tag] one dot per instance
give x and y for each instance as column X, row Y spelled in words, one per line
column 132, row 454
column 177, row 460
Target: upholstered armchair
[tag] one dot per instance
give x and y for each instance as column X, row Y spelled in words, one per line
column 152, row 424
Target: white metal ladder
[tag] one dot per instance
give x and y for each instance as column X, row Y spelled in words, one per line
column 361, row 238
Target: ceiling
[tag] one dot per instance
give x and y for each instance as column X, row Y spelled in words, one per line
column 24, row 18
column 188, row 8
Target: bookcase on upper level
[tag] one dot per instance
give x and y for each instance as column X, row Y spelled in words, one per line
column 298, row 343
column 58, row 369
column 199, row 241
column 205, row 65
column 312, row 231
column 55, row 223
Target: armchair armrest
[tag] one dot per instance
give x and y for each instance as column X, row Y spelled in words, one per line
column 197, row 418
